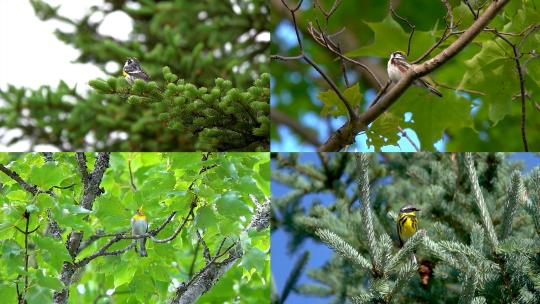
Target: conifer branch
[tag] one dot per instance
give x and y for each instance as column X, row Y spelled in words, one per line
column 293, row 277
column 468, row 286
column 405, row 273
column 516, row 197
column 343, row 248
column 406, row 251
column 363, row 188
column 532, row 200
column 484, row 213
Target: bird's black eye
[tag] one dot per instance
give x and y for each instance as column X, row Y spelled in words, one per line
column 129, row 61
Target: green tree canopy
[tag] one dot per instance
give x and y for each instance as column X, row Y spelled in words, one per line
column 65, row 233
column 491, row 87
column 478, row 237
column 208, row 91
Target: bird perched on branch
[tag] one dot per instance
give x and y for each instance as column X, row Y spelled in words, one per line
column 398, row 66
column 407, row 224
column 139, row 226
column 132, row 70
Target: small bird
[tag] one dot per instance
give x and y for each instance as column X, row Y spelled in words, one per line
column 139, row 226
column 133, row 70
column 398, row 65
column 407, row 224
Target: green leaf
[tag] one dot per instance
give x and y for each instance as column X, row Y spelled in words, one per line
column 39, row 294
column 17, row 195
column 492, row 72
column 47, row 175
column 334, row 106
column 124, row 273
column 53, row 251
column 432, row 115
column 205, row 217
column 44, row 201
column 384, row 130
column 383, row 46
column 231, row 205
column 7, row 292
column 254, row 258
column 49, row 282
column 263, row 178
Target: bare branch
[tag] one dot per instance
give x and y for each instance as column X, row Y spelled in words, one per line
column 33, row 189
column 333, row 86
column 81, row 162
column 325, row 41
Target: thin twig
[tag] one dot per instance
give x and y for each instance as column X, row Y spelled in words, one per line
column 413, row 28
column 206, row 251
column 475, row 15
column 521, row 88
column 133, row 187
column 302, row 55
column 404, row 134
column 380, row 94
column 195, row 256
column 322, row 39
column 444, row 36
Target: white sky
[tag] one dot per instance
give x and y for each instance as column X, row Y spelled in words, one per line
column 32, row 56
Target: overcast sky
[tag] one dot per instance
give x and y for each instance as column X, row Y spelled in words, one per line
column 32, row 56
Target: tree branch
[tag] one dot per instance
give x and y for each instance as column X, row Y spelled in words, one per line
column 281, row 118
column 205, row 278
column 33, row 189
column 91, row 184
column 345, row 135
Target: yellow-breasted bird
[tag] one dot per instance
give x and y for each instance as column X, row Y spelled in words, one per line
column 407, row 224
column 132, row 70
column 139, row 226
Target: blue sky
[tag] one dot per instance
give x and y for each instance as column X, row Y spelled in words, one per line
column 283, row 261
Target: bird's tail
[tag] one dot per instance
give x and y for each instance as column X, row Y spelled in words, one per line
column 422, row 83
column 142, row 243
column 434, row 91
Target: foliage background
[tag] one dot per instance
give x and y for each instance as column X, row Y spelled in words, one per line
column 162, row 180
column 291, row 239
column 198, row 41
column 457, row 122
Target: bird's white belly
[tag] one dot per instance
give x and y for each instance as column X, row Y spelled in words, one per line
column 139, row 227
column 393, row 73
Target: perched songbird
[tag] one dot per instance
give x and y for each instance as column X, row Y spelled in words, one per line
column 407, row 224
column 133, row 70
column 139, row 226
column 398, row 66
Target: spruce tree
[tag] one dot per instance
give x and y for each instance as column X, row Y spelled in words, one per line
column 478, row 238
column 207, row 91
